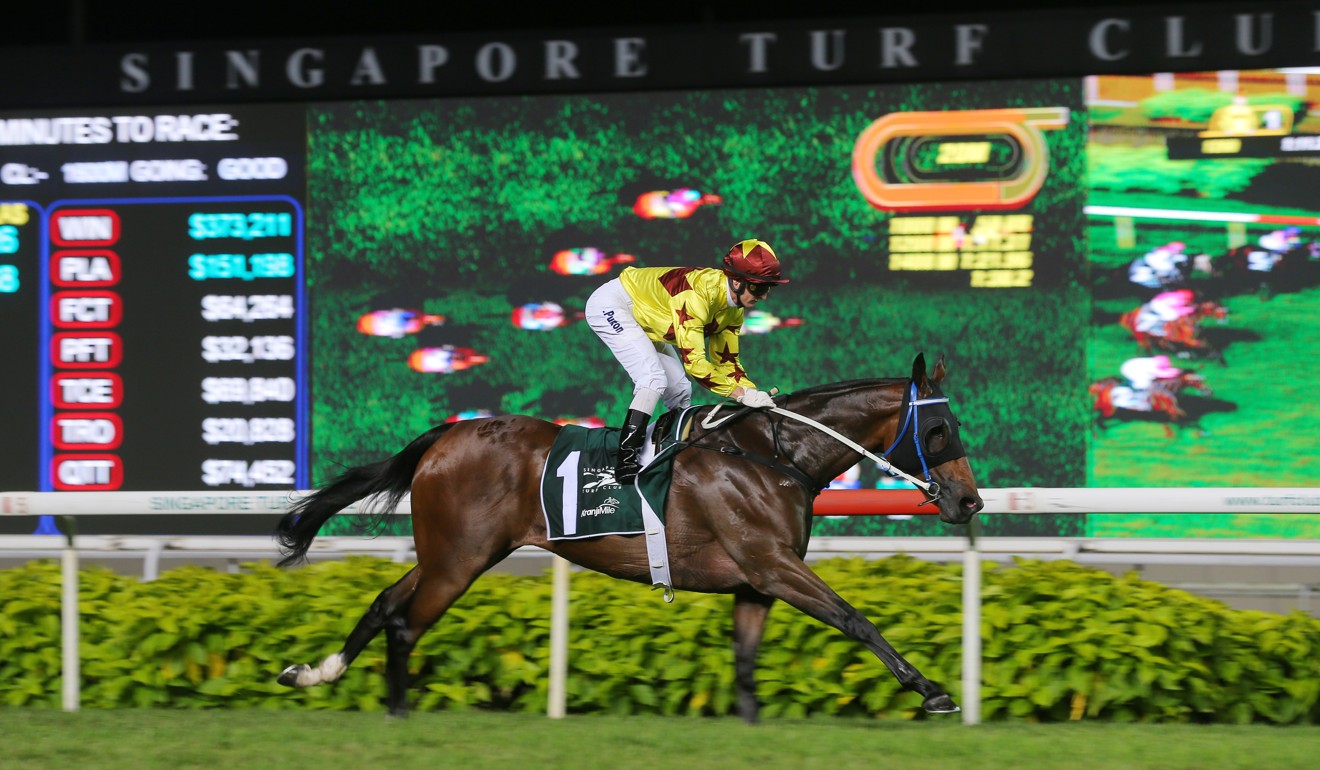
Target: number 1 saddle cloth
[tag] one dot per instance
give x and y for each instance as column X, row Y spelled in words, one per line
column 579, row 495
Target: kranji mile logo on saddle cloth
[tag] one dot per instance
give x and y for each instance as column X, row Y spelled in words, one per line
column 581, row 499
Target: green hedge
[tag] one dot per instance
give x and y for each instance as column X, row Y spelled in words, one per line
column 1061, row 642
column 1127, row 169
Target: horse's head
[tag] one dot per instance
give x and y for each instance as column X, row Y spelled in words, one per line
column 1194, row 381
column 1211, row 309
column 935, row 432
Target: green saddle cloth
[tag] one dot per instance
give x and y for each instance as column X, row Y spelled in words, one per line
column 579, row 495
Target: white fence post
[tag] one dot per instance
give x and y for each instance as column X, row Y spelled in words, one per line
column 558, row 640
column 69, row 617
column 971, row 627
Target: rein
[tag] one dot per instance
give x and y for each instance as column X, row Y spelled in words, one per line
column 929, row 485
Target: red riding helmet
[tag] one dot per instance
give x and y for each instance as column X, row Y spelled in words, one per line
column 754, row 261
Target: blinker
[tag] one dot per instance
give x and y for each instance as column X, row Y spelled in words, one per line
column 928, row 436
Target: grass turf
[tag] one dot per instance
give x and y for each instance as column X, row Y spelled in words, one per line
column 145, row 740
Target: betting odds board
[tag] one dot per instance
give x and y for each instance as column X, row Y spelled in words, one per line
column 151, row 276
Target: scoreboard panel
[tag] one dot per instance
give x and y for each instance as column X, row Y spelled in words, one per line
column 174, row 341
column 151, row 276
column 21, row 236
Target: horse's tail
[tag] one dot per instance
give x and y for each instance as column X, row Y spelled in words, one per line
column 1128, row 320
column 386, row 482
column 1102, row 391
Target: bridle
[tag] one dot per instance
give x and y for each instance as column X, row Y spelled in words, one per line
column 909, row 425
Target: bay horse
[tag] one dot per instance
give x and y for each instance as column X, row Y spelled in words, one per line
column 1181, row 336
column 738, row 516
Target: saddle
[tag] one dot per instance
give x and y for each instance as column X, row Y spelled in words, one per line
column 664, row 427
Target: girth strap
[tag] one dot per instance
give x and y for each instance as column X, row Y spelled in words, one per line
column 788, row 470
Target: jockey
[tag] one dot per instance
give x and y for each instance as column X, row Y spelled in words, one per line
column 1139, row 375
column 1281, row 241
column 664, row 324
column 1164, row 307
column 1160, row 266
column 1142, row 372
column 1172, row 305
column 1273, row 247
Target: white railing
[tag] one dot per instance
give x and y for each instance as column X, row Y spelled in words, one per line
column 1000, row 501
column 153, row 551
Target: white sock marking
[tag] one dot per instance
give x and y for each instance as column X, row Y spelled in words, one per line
column 331, row 668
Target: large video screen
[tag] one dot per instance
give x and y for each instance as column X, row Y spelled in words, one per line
column 258, row 296
column 904, row 225
column 1205, row 185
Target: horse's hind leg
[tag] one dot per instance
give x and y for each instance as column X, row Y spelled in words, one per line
column 440, row 585
column 788, row 578
column 387, row 605
column 749, row 612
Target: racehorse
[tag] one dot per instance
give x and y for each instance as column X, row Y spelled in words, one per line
column 738, row 516
column 1115, row 282
column 1250, row 268
column 1161, row 400
column 1181, row 336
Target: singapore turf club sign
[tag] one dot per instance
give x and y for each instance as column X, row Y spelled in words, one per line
column 1110, row 40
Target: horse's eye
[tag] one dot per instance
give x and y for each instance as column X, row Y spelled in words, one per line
column 937, row 438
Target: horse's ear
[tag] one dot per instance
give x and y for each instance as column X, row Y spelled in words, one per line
column 938, row 376
column 919, row 371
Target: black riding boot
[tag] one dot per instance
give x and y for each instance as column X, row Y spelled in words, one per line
column 630, row 446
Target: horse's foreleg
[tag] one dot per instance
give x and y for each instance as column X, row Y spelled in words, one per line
column 389, row 603
column 749, row 612
column 790, row 579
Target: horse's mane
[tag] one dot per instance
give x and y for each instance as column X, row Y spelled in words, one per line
column 846, row 386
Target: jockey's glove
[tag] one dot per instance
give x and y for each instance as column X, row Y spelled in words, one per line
column 757, row 399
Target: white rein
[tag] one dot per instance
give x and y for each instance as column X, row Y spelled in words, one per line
column 842, row 439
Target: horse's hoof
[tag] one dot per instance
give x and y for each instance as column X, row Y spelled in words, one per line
column 940, row 704
column 289, row 676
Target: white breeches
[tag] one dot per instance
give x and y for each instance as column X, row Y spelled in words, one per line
column 1153, row 320
column 654, row 367
column 1123, row 397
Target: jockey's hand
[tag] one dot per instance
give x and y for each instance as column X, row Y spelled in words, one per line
column 757, row 399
